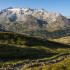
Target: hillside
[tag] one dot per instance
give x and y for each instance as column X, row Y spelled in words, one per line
column 65, row 40
column 16, row 48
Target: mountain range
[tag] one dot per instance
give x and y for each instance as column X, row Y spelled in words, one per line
column 34, row 22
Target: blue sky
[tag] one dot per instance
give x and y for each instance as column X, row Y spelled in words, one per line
column 58, row 6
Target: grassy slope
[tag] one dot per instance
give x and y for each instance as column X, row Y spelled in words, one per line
column 17, row 46
column 65, row 40
column 12, row 43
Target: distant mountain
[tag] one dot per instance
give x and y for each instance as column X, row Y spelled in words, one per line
column 34, row 22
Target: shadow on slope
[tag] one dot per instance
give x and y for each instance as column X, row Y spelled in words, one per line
column 46, row 43
column 18, row 39
column 12, row 52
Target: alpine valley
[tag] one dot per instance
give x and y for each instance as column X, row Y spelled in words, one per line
column 32, row 39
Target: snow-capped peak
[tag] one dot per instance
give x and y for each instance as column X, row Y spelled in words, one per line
column 39, row 14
